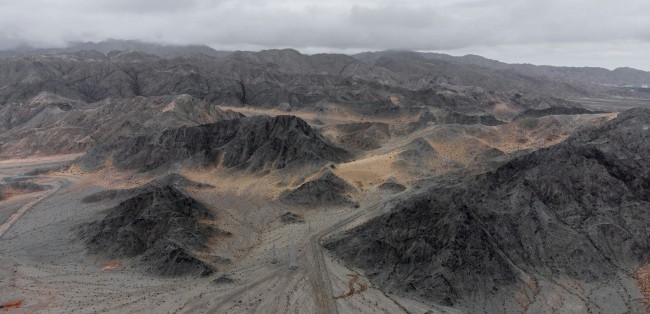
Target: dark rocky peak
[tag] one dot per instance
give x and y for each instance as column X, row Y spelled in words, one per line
column 161, row 227
column 255, row 143
column 275, row 143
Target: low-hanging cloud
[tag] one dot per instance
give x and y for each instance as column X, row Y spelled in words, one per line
column 445, row 25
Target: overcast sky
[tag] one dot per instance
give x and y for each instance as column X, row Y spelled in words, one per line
column 603, row 33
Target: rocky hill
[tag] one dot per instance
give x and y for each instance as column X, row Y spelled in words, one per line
column 256, row 143
column 576, row 212
column 161, row 226
column 326, row 189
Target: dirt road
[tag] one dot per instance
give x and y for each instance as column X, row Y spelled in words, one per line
column 318, row 275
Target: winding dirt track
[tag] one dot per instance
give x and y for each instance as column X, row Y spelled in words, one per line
column 318, row 275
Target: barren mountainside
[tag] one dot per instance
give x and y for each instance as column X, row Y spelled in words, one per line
column 255, row 143
column 579, row 210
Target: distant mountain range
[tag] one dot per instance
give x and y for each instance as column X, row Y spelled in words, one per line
column 469, row 68
column 42, row 90
column 473, row 65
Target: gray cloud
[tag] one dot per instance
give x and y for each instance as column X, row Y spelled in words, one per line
column 527, row 27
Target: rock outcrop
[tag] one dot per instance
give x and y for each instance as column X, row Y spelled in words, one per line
column 174, row 180
column 291, row 218
column 392, row 186
column 361, row 136
column 326, row 189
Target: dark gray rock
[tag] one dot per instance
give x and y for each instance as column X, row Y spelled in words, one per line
column 220, row 259
column 161, row 226
column 290, row 217
column 173, row 179
column 223, row 280
column 392, row 187
column 169, row 259
column 254, row 143
column 362, row 136
column 327, row 189
column 416, row 153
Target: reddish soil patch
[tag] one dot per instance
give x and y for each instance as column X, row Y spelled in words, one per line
column 111, row 265
column 362, row 287
column 351, row 290
column 11, row 305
